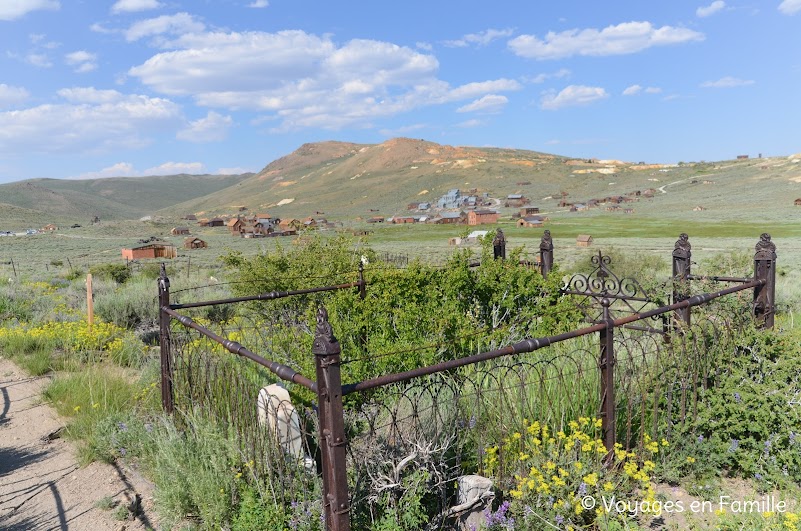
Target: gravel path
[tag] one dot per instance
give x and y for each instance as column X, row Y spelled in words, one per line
column 41, row 484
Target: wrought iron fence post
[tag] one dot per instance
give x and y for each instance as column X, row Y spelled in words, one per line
column 326, row 350
column 499, row 245
column 607, row 366
column 765, row 269
column 546, row 253
column 167, row 399
column 362, row 296
column 681, row 272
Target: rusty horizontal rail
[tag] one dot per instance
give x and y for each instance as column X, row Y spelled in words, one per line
column 530, row 345
column 282, row 371
column 718, row 279
column 267, row 296
column 609, row 296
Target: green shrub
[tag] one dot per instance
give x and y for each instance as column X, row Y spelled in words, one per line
column 119, row 273
column 749, row 425
column 129, row 305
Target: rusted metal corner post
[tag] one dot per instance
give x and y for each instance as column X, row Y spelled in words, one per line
column 362, row 296
column 765, row 269
column 362, row 283
column 606, row 362
column 167, row 399
column 499, row 245
column 546, row 253
column 681, row 272
column 326, row 350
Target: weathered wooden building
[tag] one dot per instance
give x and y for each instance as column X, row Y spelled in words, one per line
column 150, row 250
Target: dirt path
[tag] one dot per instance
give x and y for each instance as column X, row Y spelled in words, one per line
column 41, row 484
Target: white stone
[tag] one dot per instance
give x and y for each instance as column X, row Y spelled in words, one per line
column 276, row 411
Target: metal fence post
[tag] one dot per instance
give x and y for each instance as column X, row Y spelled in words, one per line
column 681, row 272
column 362, row 296
column 167, row 400
column 326, row 350
column 546, row 253
column 765, row 269
column 499, row 245
column 607, row 366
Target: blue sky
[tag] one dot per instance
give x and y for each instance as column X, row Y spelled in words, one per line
column 141, row 87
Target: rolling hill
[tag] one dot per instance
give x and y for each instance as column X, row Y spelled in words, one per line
column 69, row 201
column 350, row 181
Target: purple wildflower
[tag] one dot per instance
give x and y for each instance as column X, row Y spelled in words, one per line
column 734, row 445
column 582, row 490
column 737, row 397
column 122, row 426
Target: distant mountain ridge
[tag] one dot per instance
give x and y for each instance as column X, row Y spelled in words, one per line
column 350, row 181
column 59, row 200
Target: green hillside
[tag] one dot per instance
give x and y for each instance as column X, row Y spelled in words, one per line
column 70, row 201
column 350, row 181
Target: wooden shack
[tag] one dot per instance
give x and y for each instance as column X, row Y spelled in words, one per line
column 179, row 231
column 583, row 240
column 195, row 243
column 530, row 222
column 150, row 250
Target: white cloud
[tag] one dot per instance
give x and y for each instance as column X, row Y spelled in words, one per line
column 99, row 28
column 259, row 4
column 83, row 61
column 541, row 78
column 14, row 9
column 304, row 80
column 632, row 90
column 39, row 59
column 790, row 7
column 90, row 95
column 214, row 127
column 727, row 82
column 571, row 96
column 489, row 104
column 87, row 122
column 173, row 168
column 126, row 169
column 625, row 38
column 471, row 90
column 120, row 169
column 479, row 39
column 234, row 171
column 424, row 46
column 178, row 24
column 711, row 9
column 401, row 131
column 12, row 95
column 128, row 6
column 636, row 89
column 470, row 123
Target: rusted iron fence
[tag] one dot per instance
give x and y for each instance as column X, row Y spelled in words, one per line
column 640, row 365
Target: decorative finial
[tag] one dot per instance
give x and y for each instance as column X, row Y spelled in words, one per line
column 765, row 249
column 324, row 341
column 546, row 243
column 682, row 247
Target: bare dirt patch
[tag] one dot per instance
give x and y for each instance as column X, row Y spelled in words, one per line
column 41, row 484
